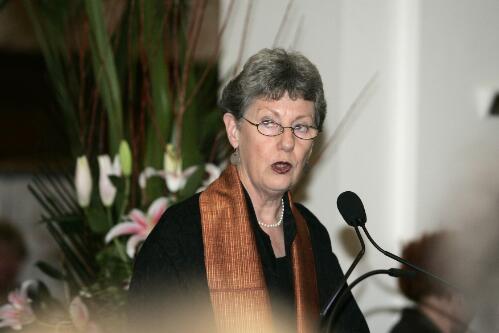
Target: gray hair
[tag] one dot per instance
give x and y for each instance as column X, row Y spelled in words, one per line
column 271, row 73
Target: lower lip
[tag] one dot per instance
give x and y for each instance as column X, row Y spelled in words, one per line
column 281, row 169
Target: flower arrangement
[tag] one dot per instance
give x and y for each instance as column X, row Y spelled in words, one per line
column 140, row 117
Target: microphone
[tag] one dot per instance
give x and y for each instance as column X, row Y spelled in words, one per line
column 352, row 210
column 355, row 215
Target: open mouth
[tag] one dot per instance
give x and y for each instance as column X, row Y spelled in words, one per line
column 281, row 167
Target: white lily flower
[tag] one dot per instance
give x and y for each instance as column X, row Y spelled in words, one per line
column 83, row 181
column 107, row 190
column 174, row 176
column 213, row 173
column 148, row 173
column 175, row 181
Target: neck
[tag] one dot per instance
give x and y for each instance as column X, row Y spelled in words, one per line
column 267, row 206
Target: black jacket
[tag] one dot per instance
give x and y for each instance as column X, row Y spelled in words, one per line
column 169, row 273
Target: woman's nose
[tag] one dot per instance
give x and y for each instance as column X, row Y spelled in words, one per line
column 287, row 139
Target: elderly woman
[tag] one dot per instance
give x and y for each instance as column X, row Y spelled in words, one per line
column 242, row 246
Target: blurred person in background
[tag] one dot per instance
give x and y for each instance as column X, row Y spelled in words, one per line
column 13, row 253
column 437, row 308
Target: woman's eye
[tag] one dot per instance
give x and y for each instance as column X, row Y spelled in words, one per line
column 301, row 128
column 268, row 123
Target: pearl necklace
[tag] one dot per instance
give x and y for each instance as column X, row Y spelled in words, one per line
column 278, row 223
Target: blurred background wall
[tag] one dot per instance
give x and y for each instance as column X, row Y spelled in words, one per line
column 420, row 147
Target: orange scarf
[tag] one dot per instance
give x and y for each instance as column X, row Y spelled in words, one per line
column 235, row 276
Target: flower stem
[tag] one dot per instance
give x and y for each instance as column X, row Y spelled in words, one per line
column 125, row 197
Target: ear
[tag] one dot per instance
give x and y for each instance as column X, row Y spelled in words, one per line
column 232, row 129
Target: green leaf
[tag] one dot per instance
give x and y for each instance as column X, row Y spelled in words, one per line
column 212, row 124
column 97, row 219
column 156, row 187
column 50, row 270
column 105, row 72
column 160, row 123
column 193, row 183
column 113, row 269
column 121, row 195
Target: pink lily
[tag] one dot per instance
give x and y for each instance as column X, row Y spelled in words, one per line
column 17, row 312
column 138, row 225
column 80, row 317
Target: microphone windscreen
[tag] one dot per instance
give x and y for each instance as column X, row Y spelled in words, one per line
column 351, row 208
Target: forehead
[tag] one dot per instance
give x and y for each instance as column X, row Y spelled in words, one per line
column 284, row 107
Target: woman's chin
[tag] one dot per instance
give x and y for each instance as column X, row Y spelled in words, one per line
column 280, row 186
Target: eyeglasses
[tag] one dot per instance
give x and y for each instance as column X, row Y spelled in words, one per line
column 271, row 128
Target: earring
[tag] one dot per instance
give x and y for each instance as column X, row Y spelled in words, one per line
column 234, row 157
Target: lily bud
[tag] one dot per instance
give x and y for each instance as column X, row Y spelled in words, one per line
column 125, row 158
column 107, row 190
column 172, row 161
column 83, row 181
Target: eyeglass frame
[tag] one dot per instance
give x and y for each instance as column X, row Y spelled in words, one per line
column 282, row 129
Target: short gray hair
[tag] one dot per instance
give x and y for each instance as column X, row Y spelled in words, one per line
column 271, row 73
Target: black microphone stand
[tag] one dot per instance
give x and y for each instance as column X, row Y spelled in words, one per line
column 394, row 272
column 343, row 283
column 352, row 210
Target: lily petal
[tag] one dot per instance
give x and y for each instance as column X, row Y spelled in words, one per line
column 124, row 228
column 6, row 311
column 138, row 217
column 174, row 181
column 83, row 181
column 145, row 175
column 107, row 190
column 213, row 173
column 172, row 162
column 18, row 312
column 24, row 287
column 78, row 312
column 189, row 171
column 131, row 245
column 157, row 209
column 116, row 167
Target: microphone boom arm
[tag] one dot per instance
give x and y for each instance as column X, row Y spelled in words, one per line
column 407, row 263
column 341, row 287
